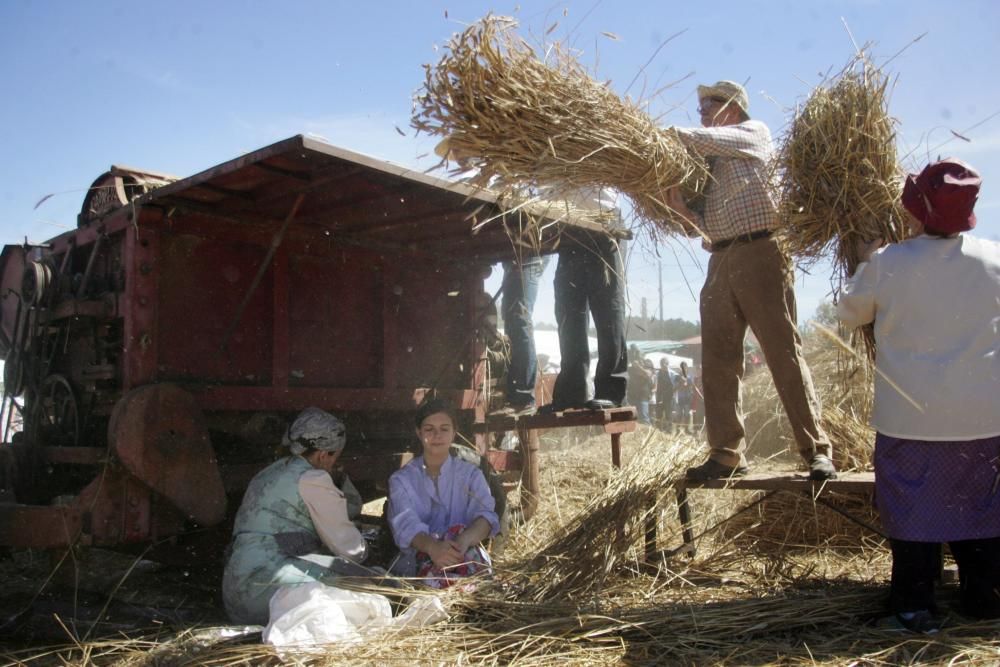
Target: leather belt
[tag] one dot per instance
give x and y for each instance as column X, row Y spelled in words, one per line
column 743, row 238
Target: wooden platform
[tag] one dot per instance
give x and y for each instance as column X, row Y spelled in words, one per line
column 614, row 420
column 846, row 482
column 861, row 483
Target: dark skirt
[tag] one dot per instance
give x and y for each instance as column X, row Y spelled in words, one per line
column 938, row 491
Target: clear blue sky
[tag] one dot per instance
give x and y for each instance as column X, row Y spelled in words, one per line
column 181, row 86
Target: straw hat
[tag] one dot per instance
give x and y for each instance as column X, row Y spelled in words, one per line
column 727, row 90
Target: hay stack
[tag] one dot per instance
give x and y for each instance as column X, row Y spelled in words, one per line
column 840, row 179
column 541, row 122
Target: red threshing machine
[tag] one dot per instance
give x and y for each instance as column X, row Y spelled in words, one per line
column 156, row 353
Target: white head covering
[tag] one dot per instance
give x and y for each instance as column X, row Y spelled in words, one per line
column 317, row 429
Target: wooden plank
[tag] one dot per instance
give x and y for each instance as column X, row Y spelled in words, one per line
column 846, row 482
column 611, row 420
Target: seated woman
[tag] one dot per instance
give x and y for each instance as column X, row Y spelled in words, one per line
column 440, row 507
column 292, row 518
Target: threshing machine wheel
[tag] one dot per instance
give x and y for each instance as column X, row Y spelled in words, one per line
column 55, row 415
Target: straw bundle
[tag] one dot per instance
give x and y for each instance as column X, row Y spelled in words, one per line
column 542, row 123
column 840, row 179
column 588, row 549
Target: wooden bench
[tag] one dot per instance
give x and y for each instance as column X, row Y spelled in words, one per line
column 771, row 482
column 614, row 422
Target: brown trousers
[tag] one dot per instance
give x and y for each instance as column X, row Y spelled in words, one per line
column 751, row 284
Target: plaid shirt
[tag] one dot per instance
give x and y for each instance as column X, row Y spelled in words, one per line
column 737, row 200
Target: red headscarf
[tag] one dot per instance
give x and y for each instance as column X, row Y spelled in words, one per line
column 943, row 195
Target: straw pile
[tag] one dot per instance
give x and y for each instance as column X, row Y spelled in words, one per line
column 727, row 606
column 543, row 123
column 584, row 553
column 784, row 521
column 840, row 179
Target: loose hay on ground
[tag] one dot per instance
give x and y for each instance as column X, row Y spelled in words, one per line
column 729, row 605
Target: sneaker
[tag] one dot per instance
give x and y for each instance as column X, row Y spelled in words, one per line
column 921, row 621
column 821, row 468
column 712, row 469
column 600, row 404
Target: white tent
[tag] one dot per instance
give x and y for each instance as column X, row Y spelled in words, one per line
column 547, row 344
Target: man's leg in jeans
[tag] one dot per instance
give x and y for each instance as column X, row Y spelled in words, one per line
column 606, row 290
column 520, row 288
column 571, row 318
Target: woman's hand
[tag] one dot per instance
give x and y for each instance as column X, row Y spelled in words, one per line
column 865, row 249
column 463, row 541
column 473, row 534
column 445, row 553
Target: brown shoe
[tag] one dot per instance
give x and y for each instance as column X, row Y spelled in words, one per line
column 712, row 469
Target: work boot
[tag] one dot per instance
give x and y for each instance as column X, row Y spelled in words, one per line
column 821, row 468
column 712, row 469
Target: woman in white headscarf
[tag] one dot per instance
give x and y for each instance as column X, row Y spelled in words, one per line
column 293, row 526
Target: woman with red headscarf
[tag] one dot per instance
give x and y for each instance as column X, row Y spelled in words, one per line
column 935, row 302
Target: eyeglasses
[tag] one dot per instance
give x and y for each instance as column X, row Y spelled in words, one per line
column 709, row 103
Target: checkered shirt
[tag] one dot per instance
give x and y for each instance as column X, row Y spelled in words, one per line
column 737, row 200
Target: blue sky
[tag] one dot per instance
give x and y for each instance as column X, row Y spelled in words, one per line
column 181, row 86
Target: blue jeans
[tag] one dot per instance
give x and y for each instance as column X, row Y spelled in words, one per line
column 590, row 280
column 642, row 412
column 520, row 288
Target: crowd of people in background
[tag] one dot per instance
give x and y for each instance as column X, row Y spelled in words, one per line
column 664, row 398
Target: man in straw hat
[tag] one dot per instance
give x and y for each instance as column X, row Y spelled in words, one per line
column 749, row 283
column 935, row 302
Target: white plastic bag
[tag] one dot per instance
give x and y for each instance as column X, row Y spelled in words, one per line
column 314, row 613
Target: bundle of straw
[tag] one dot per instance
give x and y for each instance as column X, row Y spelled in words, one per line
column 840, row 179
column 587, row 551
column 530, row 122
